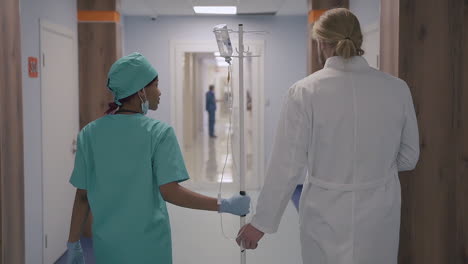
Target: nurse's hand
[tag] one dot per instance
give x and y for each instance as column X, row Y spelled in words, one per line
column 248, row 237
column 236, row 205
column 75, row 253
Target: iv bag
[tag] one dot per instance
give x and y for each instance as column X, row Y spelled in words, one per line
column 222, row 38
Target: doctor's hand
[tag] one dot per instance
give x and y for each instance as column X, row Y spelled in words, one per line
column 236, row 205
column 249, row 236
column 75, row 253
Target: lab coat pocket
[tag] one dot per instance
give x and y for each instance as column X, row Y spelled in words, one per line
column 315, row 205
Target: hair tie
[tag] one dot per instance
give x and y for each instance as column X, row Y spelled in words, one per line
column 348, row 38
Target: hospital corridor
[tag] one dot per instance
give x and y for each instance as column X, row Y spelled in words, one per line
column 233, row 131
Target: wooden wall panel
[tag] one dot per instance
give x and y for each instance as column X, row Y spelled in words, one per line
column 118, row 41
column 422, row 43
column 98, row 50
column 389, row 37
column 99, row 46
column 11, row 137
column 328, row 4
column 98, row 5
column 462, row 151
column 429, row 197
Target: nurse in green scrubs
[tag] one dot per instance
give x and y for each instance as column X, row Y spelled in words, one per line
column 127, row 167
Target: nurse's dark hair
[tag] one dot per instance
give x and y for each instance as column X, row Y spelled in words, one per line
column 340, row 28
column 155, row 79
column 113, row 106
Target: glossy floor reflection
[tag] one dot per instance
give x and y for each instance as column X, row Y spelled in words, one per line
column 207, row 157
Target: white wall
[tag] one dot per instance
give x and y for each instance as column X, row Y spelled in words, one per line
column 285, row 54
column 204, row 73
column 62, row 12
column 368, row 11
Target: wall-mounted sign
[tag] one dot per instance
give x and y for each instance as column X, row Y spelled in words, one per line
column 32, row 67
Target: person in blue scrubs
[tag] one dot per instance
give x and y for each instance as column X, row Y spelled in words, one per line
column 127, row 167
column 211, row 109
column 296, row 197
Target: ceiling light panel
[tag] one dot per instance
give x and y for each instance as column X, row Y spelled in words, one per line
column 215, row 10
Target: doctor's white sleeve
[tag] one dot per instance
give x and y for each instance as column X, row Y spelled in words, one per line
column 408, row 154
column 287, row 162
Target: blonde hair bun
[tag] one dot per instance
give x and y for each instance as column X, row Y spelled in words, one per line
column 339, row 27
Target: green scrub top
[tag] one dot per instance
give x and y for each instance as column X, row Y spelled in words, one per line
column 121, row 160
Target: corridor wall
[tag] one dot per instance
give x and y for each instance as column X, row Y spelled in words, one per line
column 425, row 45
column 11, row 137
column 32, row 11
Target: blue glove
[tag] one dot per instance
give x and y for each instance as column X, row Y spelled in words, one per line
column 236, row 205
column 75, row 253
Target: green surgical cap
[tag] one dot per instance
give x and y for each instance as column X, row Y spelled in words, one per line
column 129, row 75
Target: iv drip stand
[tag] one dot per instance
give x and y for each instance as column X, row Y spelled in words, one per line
column 242, row 166
column 241, row 126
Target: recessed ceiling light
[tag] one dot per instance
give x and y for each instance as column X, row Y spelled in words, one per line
column 217, row 10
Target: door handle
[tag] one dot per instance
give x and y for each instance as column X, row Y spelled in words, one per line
column 74, row 148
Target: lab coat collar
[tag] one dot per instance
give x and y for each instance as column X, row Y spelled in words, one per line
column 356, row 63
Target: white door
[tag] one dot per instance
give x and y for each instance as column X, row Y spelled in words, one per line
column 59, row 99
column 371, row 44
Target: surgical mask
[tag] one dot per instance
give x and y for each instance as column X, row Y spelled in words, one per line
column 144, row 103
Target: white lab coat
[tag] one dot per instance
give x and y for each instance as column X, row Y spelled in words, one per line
column 353, row 127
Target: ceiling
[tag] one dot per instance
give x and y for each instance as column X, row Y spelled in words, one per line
column 185, row 7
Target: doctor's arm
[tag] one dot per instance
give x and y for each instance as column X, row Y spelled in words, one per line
column 288, row 159
column 408, row 154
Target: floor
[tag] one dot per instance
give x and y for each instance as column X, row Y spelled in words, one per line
column 206, row 158
column 207, row 237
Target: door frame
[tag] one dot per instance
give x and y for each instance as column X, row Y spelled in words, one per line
column 12, row 224
column 369, row 29
column 45, row 25
column 177, row 51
